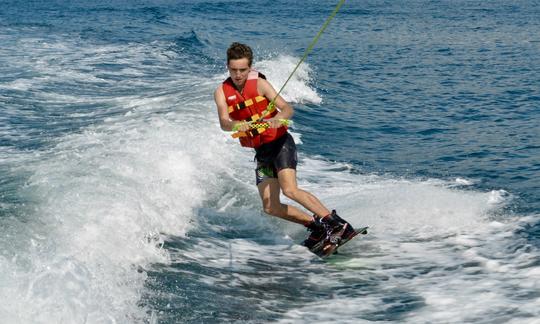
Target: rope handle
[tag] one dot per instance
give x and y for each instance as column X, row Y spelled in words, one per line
column 260, row 124
column 257, row 125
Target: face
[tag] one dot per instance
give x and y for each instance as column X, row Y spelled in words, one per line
column 239, row 70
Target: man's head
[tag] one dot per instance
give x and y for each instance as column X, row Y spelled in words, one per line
column 238, row 51
column 239, row 59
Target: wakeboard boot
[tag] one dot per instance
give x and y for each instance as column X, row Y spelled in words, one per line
column 318, row 232
column 348, row 232
column 326, row 233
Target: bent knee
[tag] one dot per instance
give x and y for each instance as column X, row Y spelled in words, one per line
column 272, row 210
column 290, row 193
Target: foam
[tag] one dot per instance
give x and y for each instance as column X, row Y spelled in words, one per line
column 105, row 201
column 298, row 89
column 102, row 200
column 464, row 182
column 433, row 241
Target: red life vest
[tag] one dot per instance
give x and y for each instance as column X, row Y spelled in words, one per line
column 249, row 106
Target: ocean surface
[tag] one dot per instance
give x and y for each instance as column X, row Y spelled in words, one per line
column 122, row 201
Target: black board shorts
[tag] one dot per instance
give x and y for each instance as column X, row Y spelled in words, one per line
column 275, row 156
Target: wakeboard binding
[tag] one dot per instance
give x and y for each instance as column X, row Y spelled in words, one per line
column 329, row 233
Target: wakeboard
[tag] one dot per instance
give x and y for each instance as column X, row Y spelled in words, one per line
column 329, row 245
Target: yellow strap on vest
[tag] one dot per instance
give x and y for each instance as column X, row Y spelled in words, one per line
column 245, row 104
column 252, row 132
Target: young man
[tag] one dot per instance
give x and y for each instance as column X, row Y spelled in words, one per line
column 244, row 97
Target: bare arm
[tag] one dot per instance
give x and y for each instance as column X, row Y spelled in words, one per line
column 285, row 110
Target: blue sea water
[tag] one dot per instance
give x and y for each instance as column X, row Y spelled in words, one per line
column 122, row 201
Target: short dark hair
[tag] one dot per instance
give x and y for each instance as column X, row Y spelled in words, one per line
column 238, row 50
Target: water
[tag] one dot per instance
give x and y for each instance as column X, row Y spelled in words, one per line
column 123, row 202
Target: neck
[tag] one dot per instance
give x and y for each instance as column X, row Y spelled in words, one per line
column 239, row 88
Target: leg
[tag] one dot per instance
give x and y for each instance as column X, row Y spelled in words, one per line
column 269, row 191
column 287, row 182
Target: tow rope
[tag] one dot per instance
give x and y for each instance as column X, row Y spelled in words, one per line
column 271, row 106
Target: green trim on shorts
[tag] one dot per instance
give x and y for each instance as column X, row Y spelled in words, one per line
column 266, row 171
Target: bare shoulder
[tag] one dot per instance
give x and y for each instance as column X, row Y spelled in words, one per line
column 219, row 97
column 265, row 88
column 263, row 81
column 219, row 92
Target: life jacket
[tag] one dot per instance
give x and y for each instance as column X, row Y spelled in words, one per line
column 249, row 106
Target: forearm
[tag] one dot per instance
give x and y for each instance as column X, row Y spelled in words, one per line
column 283, row 116
column 285, row 112
column 228, row 124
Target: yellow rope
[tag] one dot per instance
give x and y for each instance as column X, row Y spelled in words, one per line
column 308, row 50
column 258, row 123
